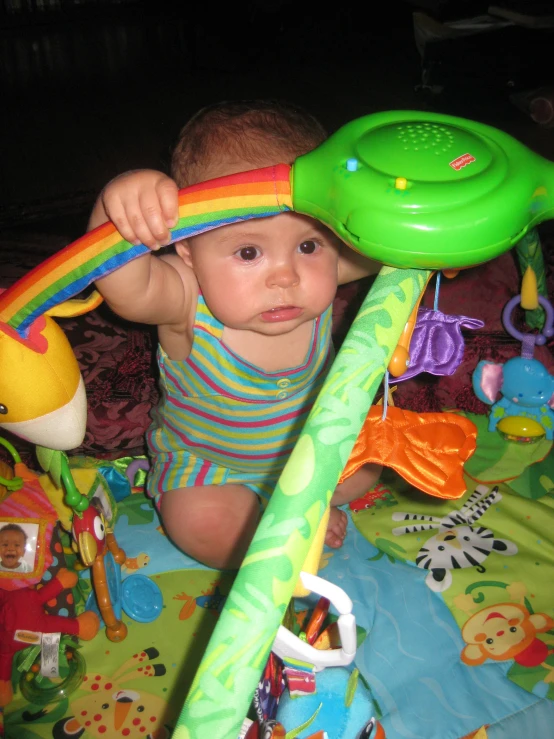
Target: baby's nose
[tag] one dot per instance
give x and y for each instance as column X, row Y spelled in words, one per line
column 283, row 274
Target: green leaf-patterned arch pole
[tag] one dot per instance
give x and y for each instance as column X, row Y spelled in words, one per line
column 222, row 690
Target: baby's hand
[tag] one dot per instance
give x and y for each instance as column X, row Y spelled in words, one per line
column 143, row 205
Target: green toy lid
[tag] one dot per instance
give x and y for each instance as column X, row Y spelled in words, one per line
column 424, row 190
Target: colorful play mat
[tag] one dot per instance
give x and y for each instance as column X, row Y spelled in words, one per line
column 453, row 603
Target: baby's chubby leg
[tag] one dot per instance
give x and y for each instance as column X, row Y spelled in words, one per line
column 353, row 487
column 214, row 524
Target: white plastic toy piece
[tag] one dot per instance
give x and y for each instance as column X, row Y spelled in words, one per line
column 287, row 645
column 246, row 724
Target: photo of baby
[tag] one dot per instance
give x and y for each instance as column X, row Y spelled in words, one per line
column 17, row 547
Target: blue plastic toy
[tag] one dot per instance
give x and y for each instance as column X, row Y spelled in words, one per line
column 524, row 412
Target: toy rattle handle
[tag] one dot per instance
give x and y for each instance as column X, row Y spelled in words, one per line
column 535, row 339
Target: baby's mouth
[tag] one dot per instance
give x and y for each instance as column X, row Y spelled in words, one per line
column 282, row 313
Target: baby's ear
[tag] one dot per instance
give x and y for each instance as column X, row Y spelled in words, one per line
column 183, row 250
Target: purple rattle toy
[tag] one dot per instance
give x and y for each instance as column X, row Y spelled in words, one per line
column 529, row 341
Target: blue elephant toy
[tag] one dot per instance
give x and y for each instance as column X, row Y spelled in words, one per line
column 527, row 390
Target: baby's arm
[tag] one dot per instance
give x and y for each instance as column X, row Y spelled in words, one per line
column 353, row 265
column 143, row 205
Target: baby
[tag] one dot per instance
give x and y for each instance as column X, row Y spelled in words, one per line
column 244, row 327
column 13, row 541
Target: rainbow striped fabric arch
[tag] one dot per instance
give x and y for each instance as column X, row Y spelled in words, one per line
column 259, row 193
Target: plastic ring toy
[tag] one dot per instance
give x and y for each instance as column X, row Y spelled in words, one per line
column 539, row 339
column 46, row 690
column 14, row 483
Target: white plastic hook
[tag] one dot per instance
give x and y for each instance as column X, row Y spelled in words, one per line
column 287, row 645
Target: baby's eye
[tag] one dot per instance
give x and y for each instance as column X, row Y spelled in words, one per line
column 308, row 247
column 248, row 253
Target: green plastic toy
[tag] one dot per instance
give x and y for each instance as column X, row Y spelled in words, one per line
column 418, row 189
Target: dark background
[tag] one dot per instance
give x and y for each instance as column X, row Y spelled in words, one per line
column 93, row 88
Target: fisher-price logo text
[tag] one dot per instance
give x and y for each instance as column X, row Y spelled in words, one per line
column 460, row 162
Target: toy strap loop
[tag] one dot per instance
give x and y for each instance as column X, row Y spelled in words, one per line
column 529, row 341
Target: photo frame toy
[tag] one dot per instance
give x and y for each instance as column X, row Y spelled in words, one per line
column 418, row 191
column 20, row 545
column 27, row 521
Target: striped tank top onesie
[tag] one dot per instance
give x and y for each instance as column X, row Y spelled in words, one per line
column 223, row 420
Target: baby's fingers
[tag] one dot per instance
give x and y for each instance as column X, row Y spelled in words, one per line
column 159, row 211
column 129, row 220
column 123, row 219
column 147, row 220
column 168, row 195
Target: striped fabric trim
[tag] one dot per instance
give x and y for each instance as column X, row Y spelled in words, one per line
column 258, row 193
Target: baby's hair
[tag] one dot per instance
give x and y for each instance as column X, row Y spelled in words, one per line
column 14, row 527
column 243, row 130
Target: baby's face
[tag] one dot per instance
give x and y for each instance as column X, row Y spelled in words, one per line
column 267, row 275
column 12, row 548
